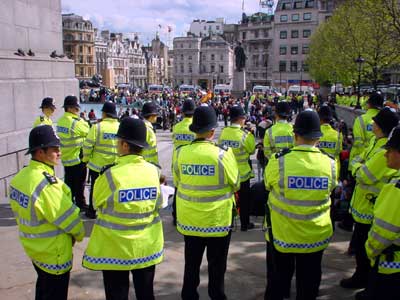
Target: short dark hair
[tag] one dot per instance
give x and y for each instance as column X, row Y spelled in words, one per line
column 133, row 148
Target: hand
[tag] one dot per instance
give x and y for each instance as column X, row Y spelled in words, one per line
column 73, row 241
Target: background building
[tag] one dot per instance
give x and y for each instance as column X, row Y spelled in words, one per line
column 202, row 28
column 101, row 48
column 137, row 64
column 78, row 39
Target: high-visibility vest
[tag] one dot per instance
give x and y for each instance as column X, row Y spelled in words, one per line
column 243, row 145
column 331, row 141
column 72, row 131
column 42, row 120
column 370, row 179
column 128, row 231
column 100, row 145
column 206, row 177
column 385, row 230
column 46, row 217
column 150, row 153
column 278, row 137
column 181, row 134
column 362, row 132
column 300, row 183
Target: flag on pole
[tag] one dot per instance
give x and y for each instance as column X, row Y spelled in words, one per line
column 242, row 5
column 169, row 28
column 159, row 25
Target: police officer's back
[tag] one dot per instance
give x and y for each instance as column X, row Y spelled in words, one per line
column 149, row 114
column 299, row 182
column 48, row 107
column 48, row 221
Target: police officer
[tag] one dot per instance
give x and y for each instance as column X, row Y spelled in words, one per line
column 206, row 176
column 362, row 128
column 48, row 221
column 299, row 182
column 382, row 246
column 243, row 145
column 127, row 236
column 72, row 131
column 182, row 135
column 48, row 107
column 371, row 174
column 149, row 114
column 100, row 147
column 280, row 135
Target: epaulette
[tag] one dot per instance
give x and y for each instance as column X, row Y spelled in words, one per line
column 50, row 178
column 106, row 167
column 41, row 119
column 283, row 152
column 223, row 147
column 76, row 118
column 398, row 184
column 327, row 154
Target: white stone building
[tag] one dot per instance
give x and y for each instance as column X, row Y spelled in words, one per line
column 137, row 64
column 203, row 28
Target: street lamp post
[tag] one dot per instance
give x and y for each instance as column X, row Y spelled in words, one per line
column 301, row 79
column 359, row 60
column 280, row 81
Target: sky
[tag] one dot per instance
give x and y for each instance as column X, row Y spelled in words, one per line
column 145, row 16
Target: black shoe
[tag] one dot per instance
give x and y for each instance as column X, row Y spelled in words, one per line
column 362, row 295
column 353, row 283
column 250, row 226
column 247, row 227
column 243, row 228
column 342, row 226
column 91, row 214
column 82, row 206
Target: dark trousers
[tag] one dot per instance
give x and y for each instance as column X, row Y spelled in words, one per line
column 308, row 274
column 50, row 287
column 75, row 177
column 93, row 176
column 383, row 286
column 116, row 284
column 217, row 254
column 244, row 203
column 174, row 206
column 360, row 236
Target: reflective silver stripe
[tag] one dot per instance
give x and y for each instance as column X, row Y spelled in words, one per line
column 34, row 197
column 151, row 148
column 303, row 203
column 369, row 174
column 369, row 188
column 362, row 125
column 271, row 140
column 241, row 153
column 73, row 126
column 97, row 168
column 387, row 226
column 240, row 161
column 226, row 196
column 150, row 155
column 65, row 215
column 40, row 235
column 281, row 162
column 72, row 225
column 384, row 241
column 71, row 138
column 338, row 145
column 107, row 146
column 297, row 216
column 97, row 134
column 114, row 226
column 176, row 167
column 89, row 141
column 394, row 181
column 333, row 173
column 221, row 169
column 375, row 251
column 87, row 147
column 191, row 187
column 245, row 176
column 123, row 215
column 72, row 145
column 104, row 152
column 111, row 184
column 71, row 161
column 31, row 223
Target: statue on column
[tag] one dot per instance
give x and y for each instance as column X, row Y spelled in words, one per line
column 240, row 57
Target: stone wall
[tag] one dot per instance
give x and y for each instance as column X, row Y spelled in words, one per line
column 26, row 80
column 348, row 114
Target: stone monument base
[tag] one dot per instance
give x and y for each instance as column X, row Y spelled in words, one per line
column 239, row 84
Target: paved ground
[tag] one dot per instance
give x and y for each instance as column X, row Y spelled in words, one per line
column 245, row 277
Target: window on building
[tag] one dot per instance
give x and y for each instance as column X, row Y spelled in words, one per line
column 283, row 35
column 181, row 56
column 217, row 27
column 294, row 50
column 212, row 56
column 82, row 71
column 181, row 45
column 190, row 68
column 282, row 50
column 243, row 35
column 309, row 4
column 190, row 57
column 286, row 5
column 80, row 36
column 204, row 57
column 307, row 16
column 203, row 69
column 221, row 57
column 293, row 66
column 221, row 68
column 306, row 33
column 256, row 33
column 212, row 68
column 266, row 32
column 205, row 27
column 295, row 34
column 190, row 45
column 284, row 18
column 295, row 17
column 305, row 49
column 298, row 4
column 68, row 48
column 80, row 59
column 88, row 37
column 304, row 66
column 69, row 37
column 182, row 69
column 255, row 60
column 255, row 76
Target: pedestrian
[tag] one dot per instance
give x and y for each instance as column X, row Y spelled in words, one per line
column 382, row 246
column 300, row 181
column 207, row 177
column 48, row 221
column 127, row 236
column 243, row 145
column 100, row 148
column 149, row 114
column 371, row 173
column 48, row 107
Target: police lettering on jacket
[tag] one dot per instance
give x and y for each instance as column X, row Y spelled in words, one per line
column 62, row 129
column 230, row 144
column 308, row 183
column 283, row 139
column 184, row 137
column 198, row 170
column 327, row 145
column 19, row 197
column 138, row 194
column 109, row 136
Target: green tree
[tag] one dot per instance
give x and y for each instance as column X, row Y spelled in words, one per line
column 357, row 28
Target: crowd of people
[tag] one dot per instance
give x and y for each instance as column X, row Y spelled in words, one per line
column 312, row 173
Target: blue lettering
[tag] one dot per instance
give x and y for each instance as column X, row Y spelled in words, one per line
column 61, row 129
column 283, row 139
column 109, row 136
column 198, row 170
column 19, row 197
column 308, row 183
column 139, row 194
column 327, row 145
column 369, row 127
column 184, row 137
column 230, row 144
